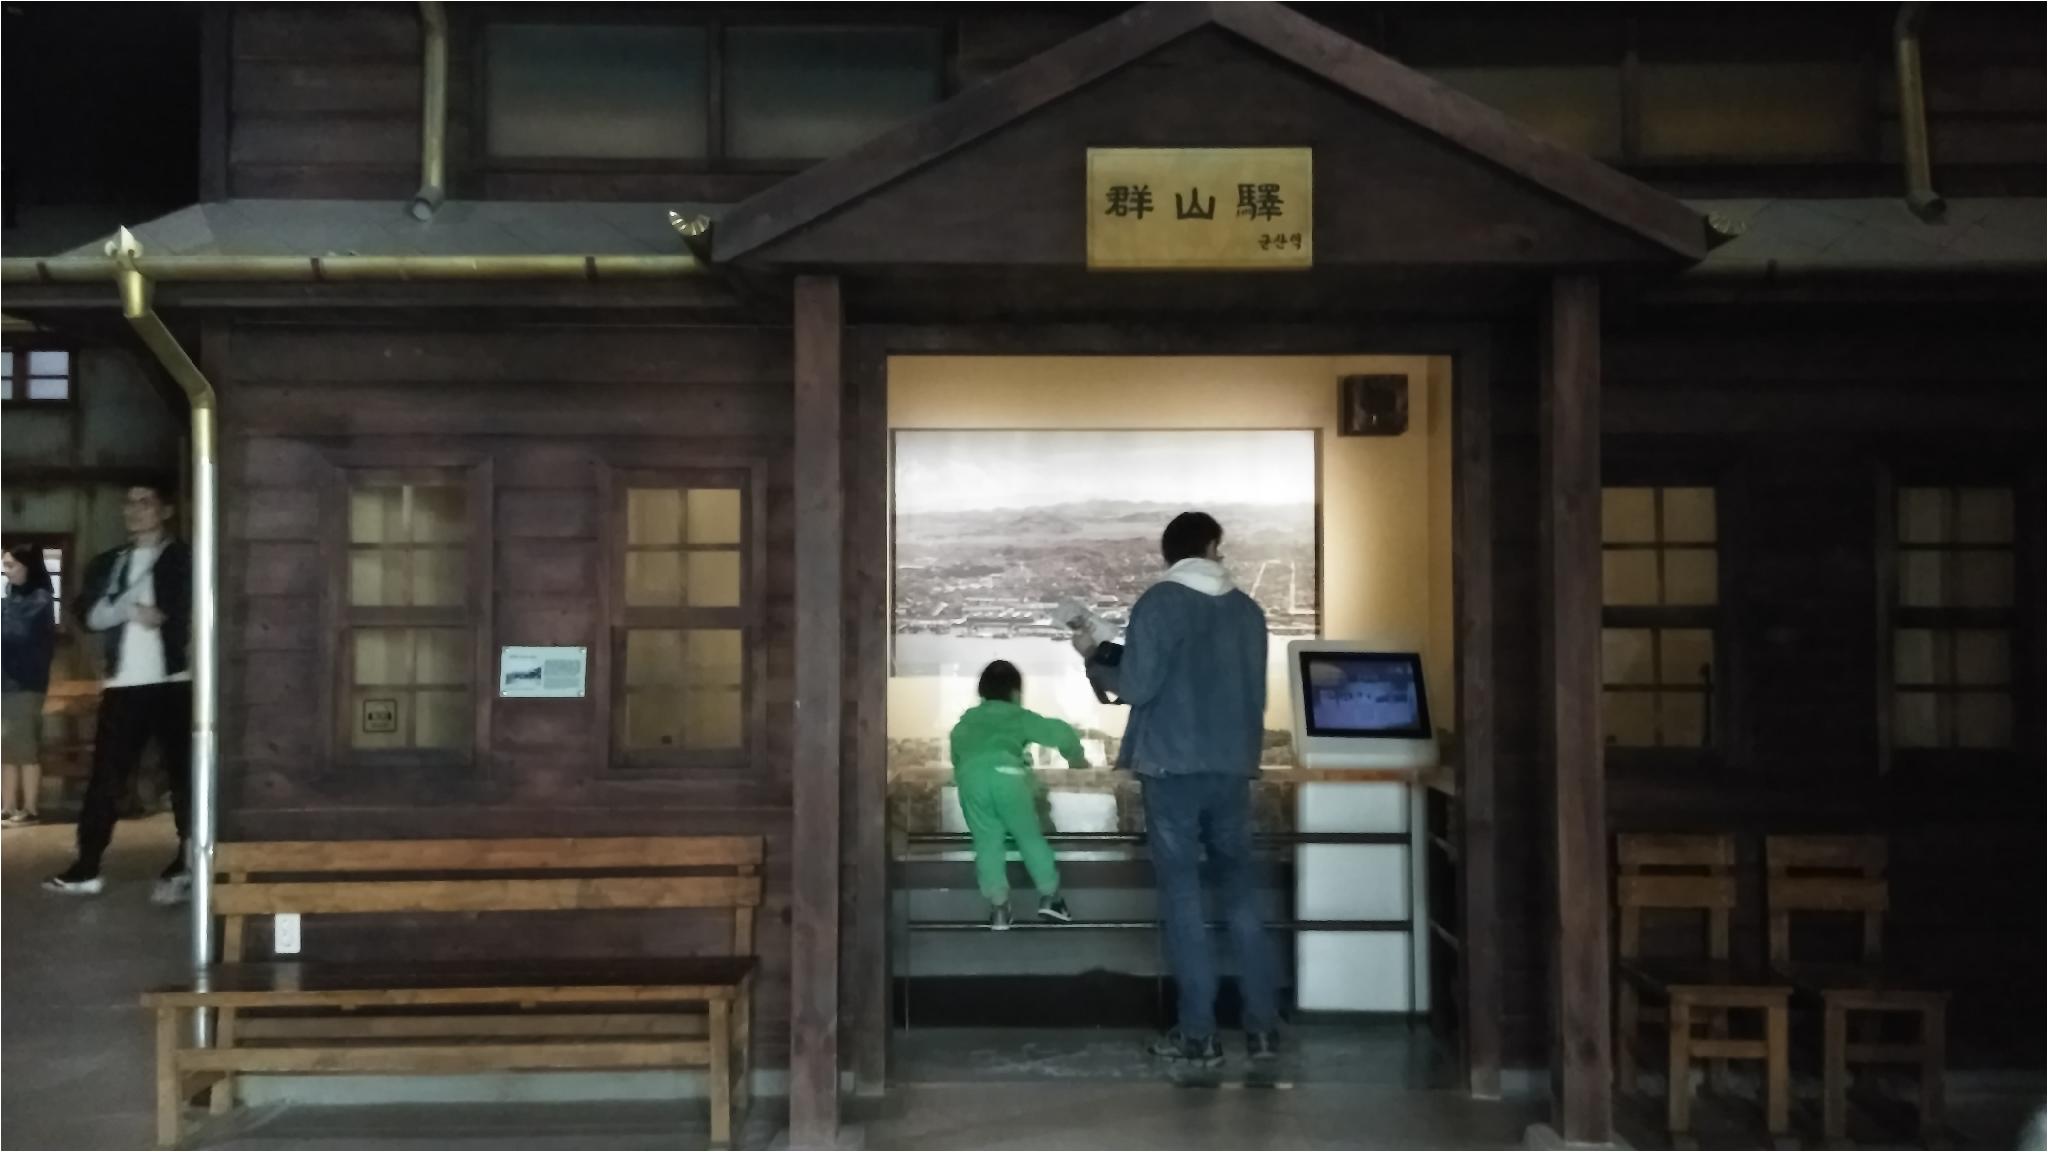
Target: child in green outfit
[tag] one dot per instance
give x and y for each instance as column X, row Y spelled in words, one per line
column 993, row 773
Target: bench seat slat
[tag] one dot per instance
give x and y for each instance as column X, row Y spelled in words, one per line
column 448, row 1057
column 414, row 896
column 489, row 855
column 356, row 1025
column 513, row 982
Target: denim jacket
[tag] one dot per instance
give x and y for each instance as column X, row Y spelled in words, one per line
column 1193, row 671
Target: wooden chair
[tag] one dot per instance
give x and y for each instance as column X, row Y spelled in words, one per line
column 1698, row 994
column 507, row 1013
column 1845, row 875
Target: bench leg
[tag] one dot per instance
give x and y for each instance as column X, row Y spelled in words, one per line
column 1933, row 1061
column 743, row 1052
column 168, row 1100
column 1834, row 1077
column 1777, row 1069
column 1679, row 1069
column 223, row 1098
column 721, row 1074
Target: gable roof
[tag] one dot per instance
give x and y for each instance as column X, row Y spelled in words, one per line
column 975, row 114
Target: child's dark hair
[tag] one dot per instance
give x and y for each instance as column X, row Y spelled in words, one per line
column 1189, row 536
column 1001, row 681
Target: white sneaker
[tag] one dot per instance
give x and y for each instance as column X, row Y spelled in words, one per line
column 172, row 889
column 71, row 884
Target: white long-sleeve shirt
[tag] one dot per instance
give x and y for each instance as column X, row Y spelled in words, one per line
column 142, row 647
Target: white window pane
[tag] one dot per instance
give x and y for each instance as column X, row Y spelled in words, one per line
column 1916, row 720
column 807, row 93
column 437, row 514
column 1628, row 515
column 378, row 577
column 635, row 92
column 48, row 388
column 1920, row 656
column 442, row 657
column 654, row 517
column 1682, row 719
column 652, row 719
column 1983, row 657
column 1689, row 516
column 6, row 364
column 1629, row 719
column 1983, row 579
column 442, row 719
column 439, row 577
column 654, row 579
column 1983, row 720
column 1691, row 576
column 383, row 656
column 714, row 579
column 375, row 515
column 1923, row 515
column 714, row 516
column 1687, row 656
column 1629, row 578
column 49, row 363
column 715, row 658
column 653, row 657
column 1984, row 516
column 1923, row 579
column 6, row 389
column 714, row 719
column 1626, row 656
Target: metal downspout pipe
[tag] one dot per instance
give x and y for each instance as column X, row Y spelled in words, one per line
column 1920, row 194
column 433, row 111
column 205, row 543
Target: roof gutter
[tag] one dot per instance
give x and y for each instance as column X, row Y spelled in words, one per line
column 1920, row 194
column 433, row 111
column 349, row 269
column 134, row 284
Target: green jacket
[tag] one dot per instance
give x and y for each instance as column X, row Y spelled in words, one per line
column 994, row 733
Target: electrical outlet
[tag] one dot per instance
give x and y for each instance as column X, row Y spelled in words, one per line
column 284, row 934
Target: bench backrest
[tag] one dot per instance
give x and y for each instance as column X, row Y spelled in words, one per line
column 1820, row 874
column 1674, row 873
column 356, row 877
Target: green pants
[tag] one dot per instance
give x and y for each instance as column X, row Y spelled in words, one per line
column 999, row 806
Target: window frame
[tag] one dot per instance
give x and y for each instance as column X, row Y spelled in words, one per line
column 2016, row 620
column 750, row 618
column 17, row 397
column 715, row 25
column 1717, row 619
column 472, row 472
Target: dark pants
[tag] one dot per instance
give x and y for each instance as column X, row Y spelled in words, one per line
column 129, row 719
column 1183, row 815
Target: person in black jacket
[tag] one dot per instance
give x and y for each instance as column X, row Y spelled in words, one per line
column 31, row 643
column 139, row 599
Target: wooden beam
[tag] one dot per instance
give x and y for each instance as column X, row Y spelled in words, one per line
column 1472, row 572
column 866, row 791
column 1583, row 1105
column 820, row 539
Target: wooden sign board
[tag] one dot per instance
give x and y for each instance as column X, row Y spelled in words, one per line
column 1213, row 208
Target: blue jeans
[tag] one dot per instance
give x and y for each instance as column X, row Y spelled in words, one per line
column 1183, row 815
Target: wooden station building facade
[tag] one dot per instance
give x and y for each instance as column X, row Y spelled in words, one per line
column 1666, row 250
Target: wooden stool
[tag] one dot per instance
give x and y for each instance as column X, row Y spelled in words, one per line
column 1846, row 874
column 1694, row 874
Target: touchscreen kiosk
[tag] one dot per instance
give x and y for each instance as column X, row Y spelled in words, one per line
column 1359, row 708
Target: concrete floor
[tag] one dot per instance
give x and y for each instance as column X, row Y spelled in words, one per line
column 75, row 1071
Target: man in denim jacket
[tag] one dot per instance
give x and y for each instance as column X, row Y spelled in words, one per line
column 1193, row 671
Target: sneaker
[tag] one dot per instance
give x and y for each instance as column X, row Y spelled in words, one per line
column 1054, row 908
column 1204, row 1053
column 999, row 918
column 16, row 819
column 173, row 884
column 1262, row 1045
column 76, row 881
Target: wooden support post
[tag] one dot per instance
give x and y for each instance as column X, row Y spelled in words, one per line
column 1583, row 1108
column 1472, row 516
column 820, row 537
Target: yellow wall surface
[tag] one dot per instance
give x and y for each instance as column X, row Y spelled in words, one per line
column 1386, row 501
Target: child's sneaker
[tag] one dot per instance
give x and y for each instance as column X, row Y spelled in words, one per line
column 999, row 918
column 76, row 881
column 1054, row 908
column 1206, row 1053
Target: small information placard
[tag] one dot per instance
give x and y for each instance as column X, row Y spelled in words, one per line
column 544, row 673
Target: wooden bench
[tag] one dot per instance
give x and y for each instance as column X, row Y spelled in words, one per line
column 430, row 1017
column 1699, row 993
column 1811, row 876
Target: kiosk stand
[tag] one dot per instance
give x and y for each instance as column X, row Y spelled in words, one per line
column 1362, row 731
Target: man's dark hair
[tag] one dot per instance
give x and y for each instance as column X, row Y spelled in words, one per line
column 165, row 491
column 1001, row 681
column 1190, row 535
